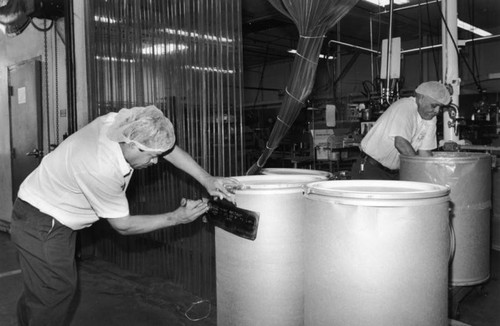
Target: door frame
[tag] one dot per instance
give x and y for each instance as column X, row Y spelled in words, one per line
column 39, row 109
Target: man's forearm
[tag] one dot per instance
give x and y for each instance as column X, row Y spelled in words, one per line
column 404, row 147
column 182, row 160
column 138, row 224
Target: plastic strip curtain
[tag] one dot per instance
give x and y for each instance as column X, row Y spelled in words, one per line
column 184, row 56
column 312, row 18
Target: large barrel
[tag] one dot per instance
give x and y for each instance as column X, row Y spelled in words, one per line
column 469, row 177
column 290, row 171
column 495, row 197
column 495, row 216
column 376, row 253
column 260, row 282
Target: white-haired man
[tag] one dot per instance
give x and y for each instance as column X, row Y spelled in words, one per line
column 407, row 127
column 83, row 180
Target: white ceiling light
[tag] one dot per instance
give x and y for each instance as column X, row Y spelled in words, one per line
column 164, row 48
column 472, row 29
column 196, row 35
column 321, row 56
column 383, row 3
column 114, row 59
column 210, row 69
column 105, row 20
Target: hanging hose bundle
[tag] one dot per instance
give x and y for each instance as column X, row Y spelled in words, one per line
column 312, row 18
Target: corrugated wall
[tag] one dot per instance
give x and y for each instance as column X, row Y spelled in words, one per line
column 184, row 56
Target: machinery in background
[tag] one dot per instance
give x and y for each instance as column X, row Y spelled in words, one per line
column 16, row 15
column 478, row 125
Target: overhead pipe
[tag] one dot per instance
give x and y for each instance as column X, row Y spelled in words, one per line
column 354, row 46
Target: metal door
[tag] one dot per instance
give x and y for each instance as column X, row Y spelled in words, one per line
column 26, row 131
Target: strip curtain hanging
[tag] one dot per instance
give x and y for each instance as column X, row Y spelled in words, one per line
column 184, row 56
column 313, row 19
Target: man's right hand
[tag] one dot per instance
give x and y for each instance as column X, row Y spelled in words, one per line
column 190, row 210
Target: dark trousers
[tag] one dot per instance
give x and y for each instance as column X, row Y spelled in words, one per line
column 364, row 170
column 46, row 254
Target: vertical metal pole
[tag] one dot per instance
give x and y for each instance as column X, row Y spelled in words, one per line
column 70, row 67
column 339, row 68
column 450, row 61
column 389, row 54
column 371, row 46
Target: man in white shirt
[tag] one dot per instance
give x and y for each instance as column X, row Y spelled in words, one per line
column 83, row 180
column 407, row 127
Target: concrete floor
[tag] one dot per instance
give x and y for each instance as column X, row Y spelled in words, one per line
column 111, row 296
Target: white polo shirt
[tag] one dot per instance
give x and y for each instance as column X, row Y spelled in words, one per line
column 400, row 119
column 83, row 179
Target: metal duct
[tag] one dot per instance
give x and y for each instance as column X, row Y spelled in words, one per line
column 184, row 57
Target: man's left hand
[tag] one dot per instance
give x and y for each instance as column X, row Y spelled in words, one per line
column 222, row 187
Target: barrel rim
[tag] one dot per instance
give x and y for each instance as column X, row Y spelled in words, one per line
column 443, row 157
column 299, row 171
column 377, row 189
column 276, row 181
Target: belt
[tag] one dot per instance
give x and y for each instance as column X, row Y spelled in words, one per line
column 374, row 162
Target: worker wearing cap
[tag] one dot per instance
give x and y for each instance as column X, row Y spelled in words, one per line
column 83, row 180
column 407, row 127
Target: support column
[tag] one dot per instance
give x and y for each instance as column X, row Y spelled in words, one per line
column 450, row 64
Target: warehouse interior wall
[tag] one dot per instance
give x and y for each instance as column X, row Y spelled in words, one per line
column 48, row 48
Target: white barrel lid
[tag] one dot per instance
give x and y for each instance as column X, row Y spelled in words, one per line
column 377, row 189
column 276, row 181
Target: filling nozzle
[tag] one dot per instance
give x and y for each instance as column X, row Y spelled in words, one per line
column 452, row 110
column 453, row 113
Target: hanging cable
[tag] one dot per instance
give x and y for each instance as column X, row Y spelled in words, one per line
column 438, row 75
column 471, row 16
column 476, row 81
column 261, row 79
column 420, row 42
column 45, row 28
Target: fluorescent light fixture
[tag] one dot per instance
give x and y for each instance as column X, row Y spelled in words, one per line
column 114, row 59
column 328, row 57
column 103, row 19
column 196, row 35
column 164, row 48
column 210, row 69
column 472, row 29
column 383, row 3
column 321, row 56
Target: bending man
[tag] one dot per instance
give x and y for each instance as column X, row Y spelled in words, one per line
column 83, row 180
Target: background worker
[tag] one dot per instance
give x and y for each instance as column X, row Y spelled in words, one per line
column 83, row 180
column 407, row 127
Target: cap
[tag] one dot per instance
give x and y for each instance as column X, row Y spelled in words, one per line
column 435, row 90
column 146, row 127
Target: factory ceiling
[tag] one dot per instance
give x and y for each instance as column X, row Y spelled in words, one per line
column 268, row 35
